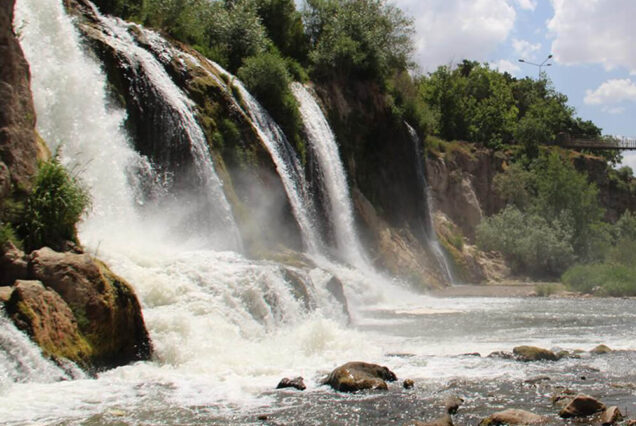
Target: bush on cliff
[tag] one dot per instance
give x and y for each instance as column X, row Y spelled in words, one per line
column 54, row 207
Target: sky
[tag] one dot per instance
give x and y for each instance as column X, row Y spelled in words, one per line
column 593, row 43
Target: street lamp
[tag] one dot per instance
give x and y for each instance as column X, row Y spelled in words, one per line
column 541, row 65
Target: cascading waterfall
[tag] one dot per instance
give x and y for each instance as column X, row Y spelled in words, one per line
column 429, row 228
column 323, row 144
column 288, row 166
column 209, row 216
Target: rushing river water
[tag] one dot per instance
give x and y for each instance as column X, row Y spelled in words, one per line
column 423, row 341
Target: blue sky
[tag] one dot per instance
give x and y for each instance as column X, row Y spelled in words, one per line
column 593, row 43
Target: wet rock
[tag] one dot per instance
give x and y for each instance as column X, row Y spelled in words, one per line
column 537, row 380
column 501, row 354
column 452, row 404
column 567, row 354
column 533, row 353
column 513, row 417
column 581, row 406
column 48, row 320
column 105, row 306
column 408, row 383
column 600, row 350
column 299, row 288
column 334, row 286
column 610, row 416
column 296, row 382
column 355, row 376
column 5, row 293
column 475, row 354
column 445, row 420
column 562, row 397
column 13, row 264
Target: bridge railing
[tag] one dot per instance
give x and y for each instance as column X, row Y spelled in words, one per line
column 621, row 143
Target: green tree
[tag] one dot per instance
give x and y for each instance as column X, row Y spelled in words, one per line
column 284, row 27
column 362, row 38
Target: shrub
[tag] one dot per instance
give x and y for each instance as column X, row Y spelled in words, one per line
column 267, row 78
column 54, row 207
column 546, row 289
column 602, row 279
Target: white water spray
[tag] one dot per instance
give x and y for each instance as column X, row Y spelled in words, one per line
column 323, row 144
column 432, row 240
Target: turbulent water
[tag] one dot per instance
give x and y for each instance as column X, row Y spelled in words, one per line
column 226, row 328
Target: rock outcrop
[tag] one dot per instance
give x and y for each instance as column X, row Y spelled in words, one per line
column 18, row 140
column 48, row 320
column 105, row 306
column 356, row 376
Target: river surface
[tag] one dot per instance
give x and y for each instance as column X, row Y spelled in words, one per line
column 424, row 341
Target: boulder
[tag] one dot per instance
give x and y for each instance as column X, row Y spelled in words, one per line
column 501, row 354
column 13, row 264
column 513, row 417
column 562, row 396
column 445, row 420
column 581, row 406
column 408, row 383
column 355, row 376
column 335, row 288
column 611, row 416
column 296, row 382
column 47, row 319
column 533, row 353
column 5, row 293
column 601, row 350
column 105, row 306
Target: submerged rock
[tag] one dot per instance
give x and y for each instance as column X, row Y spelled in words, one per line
column 355, row 376
column 533, row 353
column 105, row 306
column 581, row 406
column 452, row 404
column 408, row 383
column 48, row 320
column 513, row 417
column 600, row 350
column 334, row 286
column 501, row 354
column 296, row 382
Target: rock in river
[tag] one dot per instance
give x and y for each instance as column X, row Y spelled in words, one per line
column 533, row 353
column 296, row 382
column 513, row 417
column 355, row 376
column 581, row 406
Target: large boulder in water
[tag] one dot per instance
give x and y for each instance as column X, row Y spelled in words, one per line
column 48, row 320
column 533, row 353
column 355, row 376
column 581, row 406
column 513, row 417
column 106, row 308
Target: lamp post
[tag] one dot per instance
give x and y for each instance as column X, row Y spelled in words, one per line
column 541, row 65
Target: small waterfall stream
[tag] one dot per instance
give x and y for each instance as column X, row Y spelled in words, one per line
column 323, row 144
column 429, row 227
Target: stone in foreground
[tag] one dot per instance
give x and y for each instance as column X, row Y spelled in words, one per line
column 533, row 353
column 581, row 406
column 513, row 417
column 611, row 416
column 356, row 376
column 296, row 382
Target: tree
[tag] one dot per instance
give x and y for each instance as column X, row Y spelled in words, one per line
column 367, row 39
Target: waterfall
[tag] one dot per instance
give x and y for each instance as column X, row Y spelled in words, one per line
column 287, row 165
column 427, row 225
column 322, row 142
column 177, row 139
column 21, row 360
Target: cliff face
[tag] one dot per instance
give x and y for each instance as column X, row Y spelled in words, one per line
column 18, row 143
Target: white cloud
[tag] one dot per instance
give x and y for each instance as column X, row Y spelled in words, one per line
column 527, row 4
column 525, row 49
column 629, row 159
column 504, row 65
column 612, row 92
column 598, row 31
column 448, row 31
column 613, row 110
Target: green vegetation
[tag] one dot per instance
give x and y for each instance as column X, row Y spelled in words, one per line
column 553, row 218
column 476, row 104
column 53, row 208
